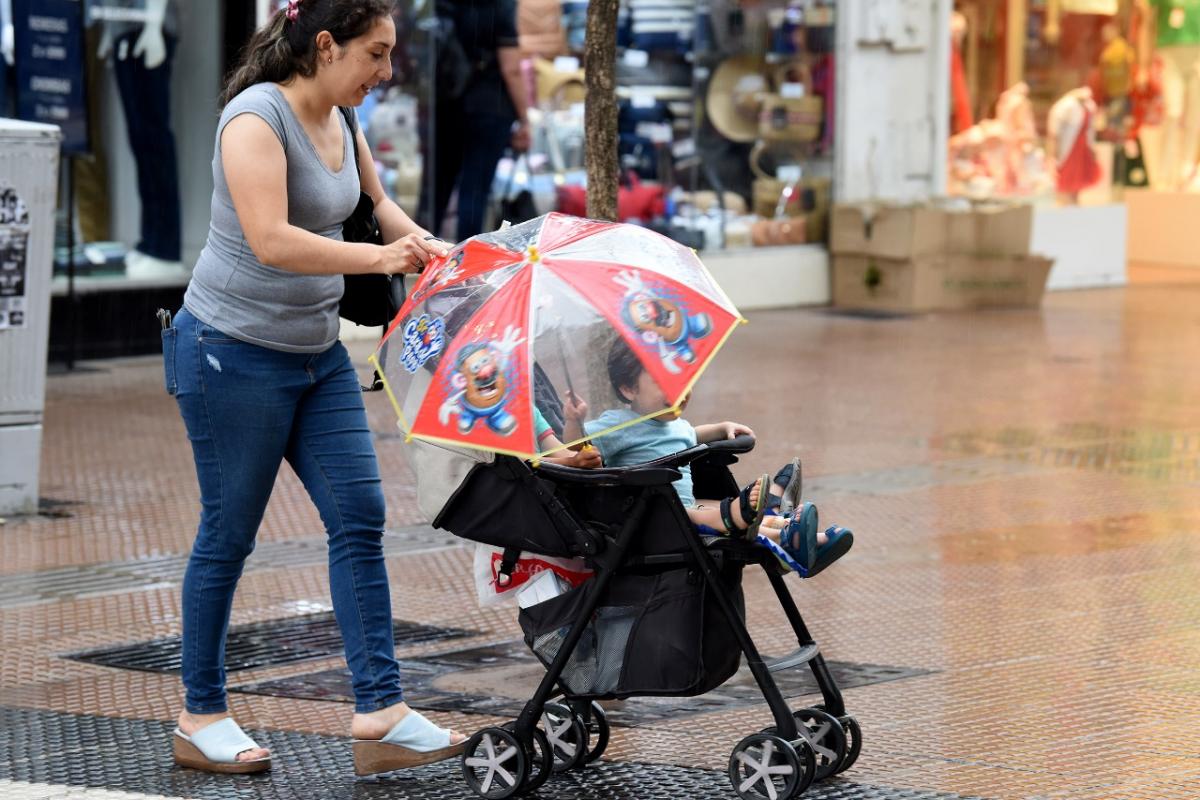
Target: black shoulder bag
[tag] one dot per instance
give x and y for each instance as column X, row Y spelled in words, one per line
column 368, row 299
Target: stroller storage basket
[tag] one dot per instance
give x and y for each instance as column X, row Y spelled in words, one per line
column 657, row 633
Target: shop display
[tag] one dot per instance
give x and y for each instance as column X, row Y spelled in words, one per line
column 142, row 49
column 1071, row 126
column 1173, row 26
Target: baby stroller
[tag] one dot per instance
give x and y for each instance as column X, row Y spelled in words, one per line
column 663, row 615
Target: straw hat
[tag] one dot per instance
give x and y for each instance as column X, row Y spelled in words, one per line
column 558, row 88
column 734, row 96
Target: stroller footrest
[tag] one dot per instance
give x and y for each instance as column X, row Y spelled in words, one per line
column 800, row 656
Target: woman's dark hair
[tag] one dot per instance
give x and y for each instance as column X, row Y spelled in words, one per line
column 624, row 368
column 286, row 47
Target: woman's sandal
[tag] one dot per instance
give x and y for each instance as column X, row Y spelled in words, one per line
column 411, row 742
column 215, row 748
column 752, row 513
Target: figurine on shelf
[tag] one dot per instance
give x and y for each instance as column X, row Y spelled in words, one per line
column 1071, row 138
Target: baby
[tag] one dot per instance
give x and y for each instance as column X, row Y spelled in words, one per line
column 664, row 433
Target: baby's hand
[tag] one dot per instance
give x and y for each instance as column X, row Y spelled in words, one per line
column 575, row 408
column 734, row 429
column 587, row 458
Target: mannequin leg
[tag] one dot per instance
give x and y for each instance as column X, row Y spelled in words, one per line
column 145, row 96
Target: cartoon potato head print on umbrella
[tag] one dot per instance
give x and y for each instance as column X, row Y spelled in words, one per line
column 482, row 381
column 661, row 321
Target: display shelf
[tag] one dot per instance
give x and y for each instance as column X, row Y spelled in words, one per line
column 92, row 284
column 1087, row 244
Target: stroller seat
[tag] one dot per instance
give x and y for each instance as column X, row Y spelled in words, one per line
column 663, row 615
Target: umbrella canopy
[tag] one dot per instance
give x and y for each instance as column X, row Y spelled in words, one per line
column 497, row 332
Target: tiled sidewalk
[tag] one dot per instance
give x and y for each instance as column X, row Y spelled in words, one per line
column 1024, row 491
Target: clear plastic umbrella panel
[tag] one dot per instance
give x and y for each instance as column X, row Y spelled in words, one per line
column 499, row 334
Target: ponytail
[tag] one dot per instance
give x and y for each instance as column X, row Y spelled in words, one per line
column 285, row 48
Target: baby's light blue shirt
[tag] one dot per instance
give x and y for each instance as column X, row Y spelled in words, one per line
column 642, row 442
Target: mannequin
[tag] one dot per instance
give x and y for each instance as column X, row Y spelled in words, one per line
column 143, row 47
column 1015, row 111
column 1071, row 133
column 1172, row 27
column 960, row 95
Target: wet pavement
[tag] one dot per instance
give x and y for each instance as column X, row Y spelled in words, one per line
column 1018, row 617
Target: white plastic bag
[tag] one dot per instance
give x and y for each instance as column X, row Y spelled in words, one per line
column 487, row 568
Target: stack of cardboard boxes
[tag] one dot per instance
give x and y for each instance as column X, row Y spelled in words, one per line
column 925, row 258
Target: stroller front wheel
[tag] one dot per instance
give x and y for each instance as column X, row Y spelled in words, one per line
column 495, row 764
column 764, row 766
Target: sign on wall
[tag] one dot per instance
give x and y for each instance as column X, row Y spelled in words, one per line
column 49, row 63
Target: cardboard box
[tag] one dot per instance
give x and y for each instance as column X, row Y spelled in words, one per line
column 897, row 232
column 904, row 232
column 1003, row 230
column 938, row 282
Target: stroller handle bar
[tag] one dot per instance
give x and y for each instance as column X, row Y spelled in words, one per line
column 659, row 472
column 738, row 444
column 642, row 475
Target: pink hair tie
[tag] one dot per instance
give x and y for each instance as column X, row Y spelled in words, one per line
column 293, row 9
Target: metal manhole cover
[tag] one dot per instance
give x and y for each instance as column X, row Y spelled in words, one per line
column 498, row 679
column 262, row 644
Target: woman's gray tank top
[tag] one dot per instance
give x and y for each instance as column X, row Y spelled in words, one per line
column 234, row 292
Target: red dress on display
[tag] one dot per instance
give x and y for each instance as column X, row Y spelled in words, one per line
column 1080, row 169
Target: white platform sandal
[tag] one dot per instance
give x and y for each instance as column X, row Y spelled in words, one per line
column 215, row 748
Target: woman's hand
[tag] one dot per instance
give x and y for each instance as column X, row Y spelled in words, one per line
column 410, row 254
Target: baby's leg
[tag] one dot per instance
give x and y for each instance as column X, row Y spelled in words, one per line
column 708, row 512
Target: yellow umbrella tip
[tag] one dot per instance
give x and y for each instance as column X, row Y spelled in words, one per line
column 534, row 255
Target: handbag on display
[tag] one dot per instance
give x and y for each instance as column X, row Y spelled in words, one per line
column 516, row 207
column 775, row 197
column 370, row 300
column 792, row 113
column 637, row 200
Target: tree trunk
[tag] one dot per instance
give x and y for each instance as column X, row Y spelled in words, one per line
column 600, row 110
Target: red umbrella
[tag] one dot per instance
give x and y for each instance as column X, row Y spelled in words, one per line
column 541, row 303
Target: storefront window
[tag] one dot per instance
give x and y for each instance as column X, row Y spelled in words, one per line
column 725, row 124
column 1073, row 100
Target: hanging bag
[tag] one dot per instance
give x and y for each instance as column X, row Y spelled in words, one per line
column 368, row 299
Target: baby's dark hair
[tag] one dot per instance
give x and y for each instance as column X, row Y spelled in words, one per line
column 624, row 368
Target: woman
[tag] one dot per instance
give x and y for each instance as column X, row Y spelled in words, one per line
column 255, row 365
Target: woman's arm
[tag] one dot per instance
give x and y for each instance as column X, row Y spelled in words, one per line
column 256, row 172
column 393, row 222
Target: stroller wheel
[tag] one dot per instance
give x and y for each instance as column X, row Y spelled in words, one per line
column 826, row 737
column 765, row 767
column 567, row 735
column 540, row 758
column 494, row 764
column 597, row 728
column 853, row 743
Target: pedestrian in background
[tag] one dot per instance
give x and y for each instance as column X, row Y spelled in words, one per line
column 254, row 361
column 479, row 109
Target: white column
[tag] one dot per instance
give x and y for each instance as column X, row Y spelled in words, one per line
column 893, row 99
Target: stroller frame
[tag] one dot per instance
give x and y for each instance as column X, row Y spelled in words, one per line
column 653, row 480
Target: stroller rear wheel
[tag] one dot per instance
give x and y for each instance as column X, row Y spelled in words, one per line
column 766, row 767
column 494, row 764
column 567, row 735
column 597, row 728
column 853, row 743
column 826, row 737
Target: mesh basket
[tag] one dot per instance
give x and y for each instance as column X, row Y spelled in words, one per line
column 653, row 634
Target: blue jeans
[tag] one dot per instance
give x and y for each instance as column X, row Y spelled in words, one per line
column 246, row 409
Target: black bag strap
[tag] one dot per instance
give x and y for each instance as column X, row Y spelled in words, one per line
column 352, row 124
